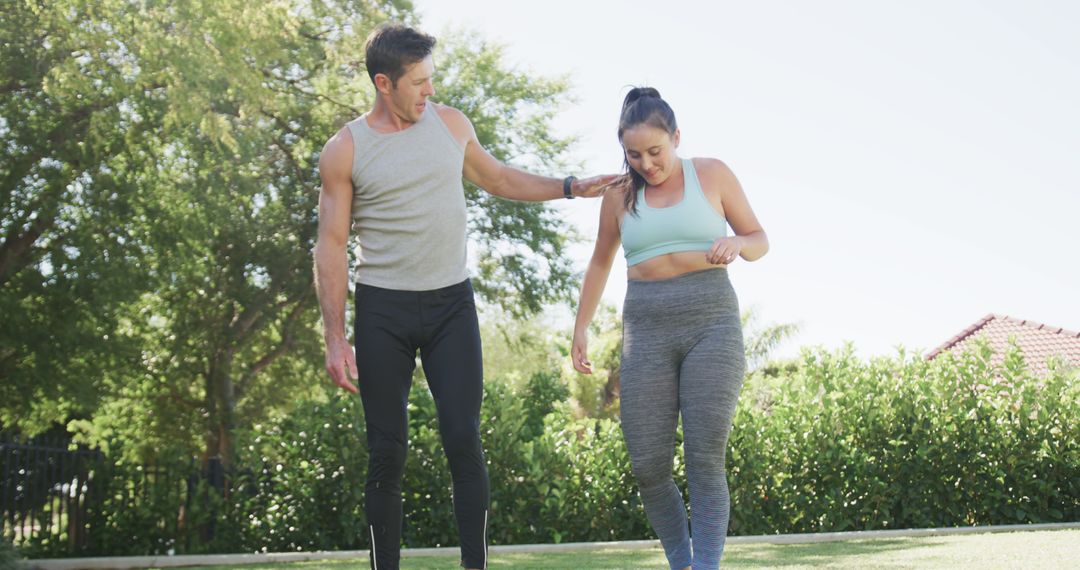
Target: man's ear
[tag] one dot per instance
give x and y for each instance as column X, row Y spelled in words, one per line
column 383, row 83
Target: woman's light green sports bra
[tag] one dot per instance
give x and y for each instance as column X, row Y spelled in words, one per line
column 691, row 225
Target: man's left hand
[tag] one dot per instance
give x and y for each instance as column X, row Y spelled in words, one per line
column 594, row 186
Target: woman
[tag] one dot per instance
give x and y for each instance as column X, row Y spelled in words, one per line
column 682, row 337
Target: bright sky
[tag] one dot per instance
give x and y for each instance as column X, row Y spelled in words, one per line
column 915, row 164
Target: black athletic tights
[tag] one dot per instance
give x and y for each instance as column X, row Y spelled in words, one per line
column 390, row 327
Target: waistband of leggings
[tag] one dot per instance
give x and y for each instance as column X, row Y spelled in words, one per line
column 456, row 287
column 704, row 277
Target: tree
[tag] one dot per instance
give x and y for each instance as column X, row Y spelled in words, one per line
column 521, row 246
column 760, row 342
column 192, row 219
column 70, row 138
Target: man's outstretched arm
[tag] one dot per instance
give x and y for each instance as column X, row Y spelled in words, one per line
column 508, row 182
column 331, row 257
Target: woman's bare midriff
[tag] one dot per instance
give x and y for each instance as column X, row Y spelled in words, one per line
column 670, row 265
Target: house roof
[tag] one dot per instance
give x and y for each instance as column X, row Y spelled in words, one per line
column 1037, row 341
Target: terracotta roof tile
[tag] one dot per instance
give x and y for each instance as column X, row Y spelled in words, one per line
column 1037, row 341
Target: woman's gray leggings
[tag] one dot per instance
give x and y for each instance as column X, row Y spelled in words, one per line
column 682, row 354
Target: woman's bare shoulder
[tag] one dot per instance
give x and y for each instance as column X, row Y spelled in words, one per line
column 711, row 166
column 614, row 200
column 715, row 176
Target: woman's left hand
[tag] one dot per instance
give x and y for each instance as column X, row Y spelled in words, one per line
column 724, row 250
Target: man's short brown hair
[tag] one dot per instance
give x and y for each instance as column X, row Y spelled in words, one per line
column 391, row 47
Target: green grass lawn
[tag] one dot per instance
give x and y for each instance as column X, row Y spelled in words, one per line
column 1042, row 549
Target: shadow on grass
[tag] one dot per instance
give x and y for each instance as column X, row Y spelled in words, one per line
column 606, row 560
column 310, row 565
column 848, row 553
column 815, row 553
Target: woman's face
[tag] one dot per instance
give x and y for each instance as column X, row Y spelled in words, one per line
column 651, row 152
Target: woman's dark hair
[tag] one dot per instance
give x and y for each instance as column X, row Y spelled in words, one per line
column 390, row 47
column 642, row 105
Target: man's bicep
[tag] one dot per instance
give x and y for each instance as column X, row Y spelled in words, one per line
column 335, row 211
column 335, row 197
column 481, row 168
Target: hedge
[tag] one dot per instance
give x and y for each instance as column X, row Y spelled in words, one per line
column 830, row 442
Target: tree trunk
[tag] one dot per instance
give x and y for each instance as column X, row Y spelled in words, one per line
column 221, row 410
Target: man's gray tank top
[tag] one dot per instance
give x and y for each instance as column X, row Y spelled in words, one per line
column 409, row 205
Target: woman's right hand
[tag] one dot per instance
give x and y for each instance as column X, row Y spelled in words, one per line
column 579, row 353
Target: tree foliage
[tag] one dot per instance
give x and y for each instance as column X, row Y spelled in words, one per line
column 160, row 183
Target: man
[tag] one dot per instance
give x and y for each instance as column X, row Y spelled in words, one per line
column 395, row 175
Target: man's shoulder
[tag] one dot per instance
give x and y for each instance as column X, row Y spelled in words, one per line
column 338, row 150
column 445, row 111
column 343, row 137
column 453, row 118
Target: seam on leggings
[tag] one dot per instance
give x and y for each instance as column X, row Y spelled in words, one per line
column 374, row 558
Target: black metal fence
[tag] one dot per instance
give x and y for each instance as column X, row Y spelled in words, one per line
column 59, row 500
column 45, row 489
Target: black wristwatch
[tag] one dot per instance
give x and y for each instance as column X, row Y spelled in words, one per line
column 567, row 183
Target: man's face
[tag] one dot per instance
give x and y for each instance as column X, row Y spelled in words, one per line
column 408, row 97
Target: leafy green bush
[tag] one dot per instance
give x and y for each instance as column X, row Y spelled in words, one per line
column 845, row 444
column 9, row 558
column 827, row 443
column 306, row 488
column 553, row 478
